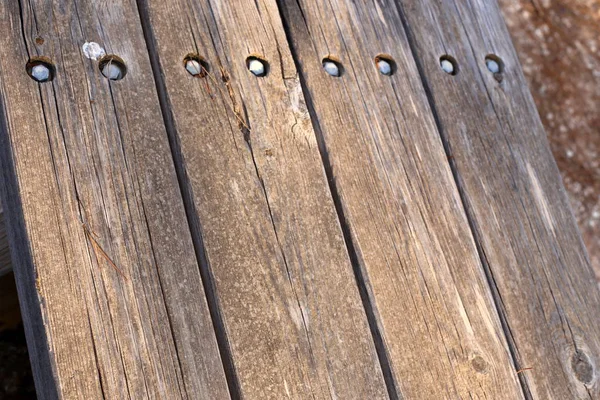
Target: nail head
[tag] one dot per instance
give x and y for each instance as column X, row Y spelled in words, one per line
column 193, row 67
column 40, row 73
column 384, row 67
column 257, row 67
column 40, row 69
column 331, row 68
column 112, row 67
column 447, row 66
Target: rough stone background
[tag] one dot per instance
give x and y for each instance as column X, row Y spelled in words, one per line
column 558, row 42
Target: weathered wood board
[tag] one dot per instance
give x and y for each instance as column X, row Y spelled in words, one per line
column 400, row 204
column 107, row 277
column 295, row 235
column 513, row 194
column 289, row 303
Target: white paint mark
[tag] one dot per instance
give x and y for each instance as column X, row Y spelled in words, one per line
column 93, row 50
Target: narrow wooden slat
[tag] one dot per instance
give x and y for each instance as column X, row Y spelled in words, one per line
column 401, row 206
column 513, row 193
column 105, row 266
column 288, row 299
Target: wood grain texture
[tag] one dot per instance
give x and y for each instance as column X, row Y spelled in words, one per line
column 513, row 193
column 5, row 265
column 106, row 272
column 403, row 211
column 557, row 42
column 288, row 300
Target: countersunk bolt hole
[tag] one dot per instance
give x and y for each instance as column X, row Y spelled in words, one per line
column 257, row 65
column 385, row 64
column 40, row 69
column 495, row 65
column 332, row 66
column 195, row 65
column 112, row 67
column 449, row 64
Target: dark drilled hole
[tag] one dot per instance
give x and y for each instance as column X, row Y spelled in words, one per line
column 495, row 65
column 257, row 65
column 112, row 67
column 196, row 65
column 385, row 64
column 40, row 69
column 332, row 66
column 449, row 64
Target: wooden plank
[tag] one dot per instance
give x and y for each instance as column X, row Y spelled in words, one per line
column 400, row 204
column 5, row 265
column 287, row 295
column 548, row 38
column 512, row 190
column 105, row 266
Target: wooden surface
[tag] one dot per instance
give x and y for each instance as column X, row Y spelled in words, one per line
column 512, row 192
column 557, row 44
column 104, row 260
column 295, row 235
column 255, row 179
column 400, row 205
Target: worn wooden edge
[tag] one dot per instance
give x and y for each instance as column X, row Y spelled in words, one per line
column 5, row 263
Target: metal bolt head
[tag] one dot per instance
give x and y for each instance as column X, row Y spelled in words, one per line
column 492, row 66
column 257, row 67
column 112, row 71
column 384, row 67
column 194, row 67
column 331, row 68
column 447, row 66
column 40, row 73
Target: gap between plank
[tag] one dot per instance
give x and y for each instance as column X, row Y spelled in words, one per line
column 491, row 280
column 359, row 274
column 190, row 209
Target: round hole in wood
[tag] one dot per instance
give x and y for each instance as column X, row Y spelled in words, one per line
column 449, row 64
column 40, row 69
column 112, row 67
column 332, row 66
column 385, row 64
column 195, row 65
column 257, row 65
column 495, row 65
